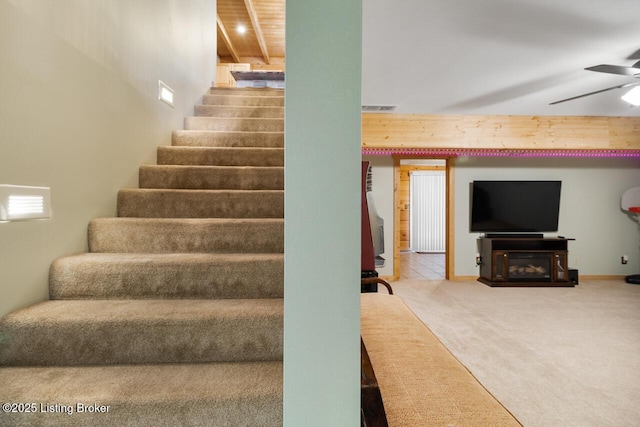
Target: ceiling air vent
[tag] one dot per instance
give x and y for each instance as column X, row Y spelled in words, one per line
column 378, row 108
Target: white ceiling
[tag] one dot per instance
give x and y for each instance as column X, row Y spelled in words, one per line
column 497, row 56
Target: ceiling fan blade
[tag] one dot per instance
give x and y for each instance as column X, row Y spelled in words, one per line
column 634, row 55
column 615, row 69
column 595, row 92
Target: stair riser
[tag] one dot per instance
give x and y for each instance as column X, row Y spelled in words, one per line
column 142, row 341
column 242, row 395
column 213, row 156
column 93, row 276
column 200, row 204
column 246, row 91
column 243, row 101
column 234, row 124
column 235, row 111
column 251, row 411
column 211, row 177
column 128, row 235
column 228, row 139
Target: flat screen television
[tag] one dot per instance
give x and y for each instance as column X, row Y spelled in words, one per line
column 515, row 206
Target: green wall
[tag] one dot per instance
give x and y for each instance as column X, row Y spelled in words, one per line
column 322, row 213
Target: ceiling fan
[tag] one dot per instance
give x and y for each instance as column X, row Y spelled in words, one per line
column 632, row 71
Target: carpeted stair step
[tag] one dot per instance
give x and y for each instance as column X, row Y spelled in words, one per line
column 246, row 101
column 102, row 332
column 246, row 91
column 234, row 124
column 220, row 156
column 211, row 177
column 206, row 394
column 203, row 138
column 175, row 316
column 239, row 111
column 176, row 203
column 159, row 276
column 176, row 235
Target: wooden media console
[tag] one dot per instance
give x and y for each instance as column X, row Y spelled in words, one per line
column 524, row 261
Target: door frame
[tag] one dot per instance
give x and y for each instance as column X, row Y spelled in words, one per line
column 449, row 206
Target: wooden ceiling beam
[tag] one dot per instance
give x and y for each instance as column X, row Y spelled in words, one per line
column 251, row 10
column 494, row 132
column 226, row 39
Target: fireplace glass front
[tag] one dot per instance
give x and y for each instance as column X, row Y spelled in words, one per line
column 529, row 266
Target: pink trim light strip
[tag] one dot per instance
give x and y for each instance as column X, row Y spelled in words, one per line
column 494, row 152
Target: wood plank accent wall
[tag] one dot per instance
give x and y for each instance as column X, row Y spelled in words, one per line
column 499, row 132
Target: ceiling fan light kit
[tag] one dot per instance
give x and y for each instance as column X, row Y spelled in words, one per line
column 633, row 96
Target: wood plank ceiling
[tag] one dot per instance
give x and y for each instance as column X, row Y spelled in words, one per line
column 263, row 41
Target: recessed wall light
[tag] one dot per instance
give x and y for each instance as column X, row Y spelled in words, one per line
column 19, row 202
column 241, row 29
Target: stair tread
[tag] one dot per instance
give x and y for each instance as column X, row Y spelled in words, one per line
column 146, row 311
column 211, row 191
column 243, row 100
column 246, row 124
column 227, row 138
column 228, row 132
column 223, row 149
column 201, row 190
column 247, row 91
column 191, row 381
column 239, row 119
column 213, row 168
column 257, row 111
column 239, row 394
column 182, row 258
column 221, row 156
column 186, row 200
column 207, row 177
column 211, row 171
column 179, row 235
column 144, row 276
column 190, row 221
column 243, row 107
column 106, row 332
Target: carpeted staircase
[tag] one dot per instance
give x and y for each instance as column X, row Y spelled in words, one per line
column 175, row 315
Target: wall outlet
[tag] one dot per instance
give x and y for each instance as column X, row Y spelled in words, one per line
column 624, row 259
column 575, row 261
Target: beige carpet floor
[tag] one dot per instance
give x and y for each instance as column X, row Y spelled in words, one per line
column 552, row 356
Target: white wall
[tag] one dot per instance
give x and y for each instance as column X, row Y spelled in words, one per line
column 589, row 208
column 322, row 211
column 79, row 113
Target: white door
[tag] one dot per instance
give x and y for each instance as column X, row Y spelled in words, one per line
column 427, row 213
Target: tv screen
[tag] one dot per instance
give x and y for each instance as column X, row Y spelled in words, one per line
column 515, row 206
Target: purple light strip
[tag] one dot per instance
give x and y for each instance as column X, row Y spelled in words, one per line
column 494, row 152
